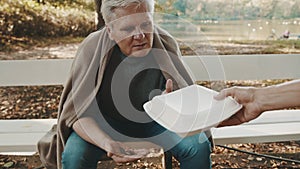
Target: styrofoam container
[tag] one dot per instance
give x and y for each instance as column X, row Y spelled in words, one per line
column 190, row 110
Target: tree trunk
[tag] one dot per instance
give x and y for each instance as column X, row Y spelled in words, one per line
column 100, row 22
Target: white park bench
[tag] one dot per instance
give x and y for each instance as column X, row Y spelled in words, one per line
column 280, row 125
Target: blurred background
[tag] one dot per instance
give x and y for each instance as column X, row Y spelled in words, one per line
column 27, row 22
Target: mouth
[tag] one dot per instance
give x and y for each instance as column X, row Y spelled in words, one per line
column 140, row 46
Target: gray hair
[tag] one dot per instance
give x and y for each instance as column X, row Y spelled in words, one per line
column 108, row 7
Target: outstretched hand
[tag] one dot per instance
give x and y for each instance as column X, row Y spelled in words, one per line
column 244, row 96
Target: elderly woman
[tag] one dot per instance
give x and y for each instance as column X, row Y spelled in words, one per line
column 117, row 70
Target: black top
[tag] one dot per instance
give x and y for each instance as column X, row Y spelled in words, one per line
column 127, row 84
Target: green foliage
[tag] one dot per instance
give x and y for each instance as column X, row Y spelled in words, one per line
column 165, row 6
column 22, row 21
column 83, row 4
column 30, row 18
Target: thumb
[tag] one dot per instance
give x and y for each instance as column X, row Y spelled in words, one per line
column 225, row 92
column 169, row 86
column 220, row 96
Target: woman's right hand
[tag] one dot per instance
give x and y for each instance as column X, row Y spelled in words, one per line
column 121, row 153
column 245, row 96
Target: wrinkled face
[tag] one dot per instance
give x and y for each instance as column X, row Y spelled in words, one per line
column 132, row 30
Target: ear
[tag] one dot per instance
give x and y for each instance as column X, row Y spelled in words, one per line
column 109, row 31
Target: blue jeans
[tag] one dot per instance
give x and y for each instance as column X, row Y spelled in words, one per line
column 192, row 152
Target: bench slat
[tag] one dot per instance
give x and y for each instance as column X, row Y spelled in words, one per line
column 26, row 142
column 243, row 67
column 26, row 126
column 279, row 125
column 257, row 133
column 19, row 142
column 43, row 125
column 211, row 67
column 34, row 72
column 277, row 116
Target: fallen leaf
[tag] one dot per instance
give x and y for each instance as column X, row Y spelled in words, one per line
column 8, row 164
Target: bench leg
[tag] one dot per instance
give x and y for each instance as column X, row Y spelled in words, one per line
column 167, row 160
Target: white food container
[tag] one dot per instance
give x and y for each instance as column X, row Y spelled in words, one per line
column 190, row 110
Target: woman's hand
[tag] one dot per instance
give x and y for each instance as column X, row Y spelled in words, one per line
column 245, row 96
column 258, row 100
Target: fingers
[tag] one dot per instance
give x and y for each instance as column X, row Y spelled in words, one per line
column 125, row 159
column 224, row 93
column 129, row 156
column 234, row 120
column 126, row 154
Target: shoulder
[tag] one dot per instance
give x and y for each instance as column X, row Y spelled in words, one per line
column 96, row 43
column 91, row 49
column 167, row 40
column 164, row 34
column 93, row 40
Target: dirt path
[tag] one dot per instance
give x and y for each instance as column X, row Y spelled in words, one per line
column 52, row 52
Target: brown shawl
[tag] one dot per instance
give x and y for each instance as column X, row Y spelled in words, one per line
column 79, row 90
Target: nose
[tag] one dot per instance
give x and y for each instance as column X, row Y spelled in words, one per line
column 138, row 34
